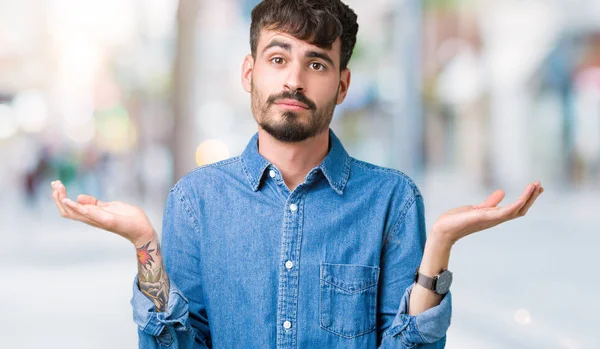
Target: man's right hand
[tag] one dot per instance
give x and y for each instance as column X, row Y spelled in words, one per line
column 118, row 217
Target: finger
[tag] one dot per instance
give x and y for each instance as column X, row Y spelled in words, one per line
column 69, row 211
column 531, row 200
column 57, row 202
column 502, row 214
column 492, row 200
column 511, row 211
column 85, row 199
column 85, row 213
column 95, row 214
column 62, row 194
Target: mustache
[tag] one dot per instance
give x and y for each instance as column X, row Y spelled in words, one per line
column 298, row 96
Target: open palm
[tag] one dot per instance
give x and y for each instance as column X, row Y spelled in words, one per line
column 118, row 217
column 464, row 220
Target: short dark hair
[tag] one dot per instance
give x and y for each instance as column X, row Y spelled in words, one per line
column 320, row 21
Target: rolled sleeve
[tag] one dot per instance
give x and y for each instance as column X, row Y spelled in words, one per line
column 170, row 329
column 428, row 327
column 152, row 322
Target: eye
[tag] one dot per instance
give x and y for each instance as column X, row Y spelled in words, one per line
column 317, row 66
column 277, row 60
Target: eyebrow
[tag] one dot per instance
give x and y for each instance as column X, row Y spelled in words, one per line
column 277, row 43
column 288, row 47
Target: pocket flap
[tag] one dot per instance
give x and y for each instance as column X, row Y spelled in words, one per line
column 350, row 277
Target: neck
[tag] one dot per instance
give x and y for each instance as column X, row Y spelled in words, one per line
column 294, row 160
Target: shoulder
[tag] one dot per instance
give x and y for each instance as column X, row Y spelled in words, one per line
column 395, row 187
column 381, row 175
column 227, row 165
column 208, row 172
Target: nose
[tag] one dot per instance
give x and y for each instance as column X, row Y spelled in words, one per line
column 294, row 80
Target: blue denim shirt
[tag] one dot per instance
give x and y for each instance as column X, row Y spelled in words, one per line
column 327, row 265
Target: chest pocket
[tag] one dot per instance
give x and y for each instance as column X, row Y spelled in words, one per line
column 348, row 298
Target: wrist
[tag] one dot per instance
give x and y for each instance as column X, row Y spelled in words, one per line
column 440, row 239
column 436, row 255
column 143, row 239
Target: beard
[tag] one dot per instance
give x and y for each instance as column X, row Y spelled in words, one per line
column 291, row 126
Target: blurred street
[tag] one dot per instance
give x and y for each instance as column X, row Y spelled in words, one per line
column 68, row 284
column 529, row 283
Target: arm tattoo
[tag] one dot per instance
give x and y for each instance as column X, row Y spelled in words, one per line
column 153, row 279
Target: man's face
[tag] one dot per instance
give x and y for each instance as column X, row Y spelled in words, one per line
column 294, row 85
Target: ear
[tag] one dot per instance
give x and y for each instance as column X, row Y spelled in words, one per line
column 344, row 85
column 247, row 67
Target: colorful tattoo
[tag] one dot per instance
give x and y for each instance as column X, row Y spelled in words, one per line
column 144, row 256
column 153, row 280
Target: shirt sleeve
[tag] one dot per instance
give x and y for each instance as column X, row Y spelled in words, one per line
column 185, row 323
column 401, row 255
column 170, row 329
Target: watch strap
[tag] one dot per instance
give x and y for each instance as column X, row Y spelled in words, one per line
column 425, row 281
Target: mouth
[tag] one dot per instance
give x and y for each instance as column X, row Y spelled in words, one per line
column 291, row 104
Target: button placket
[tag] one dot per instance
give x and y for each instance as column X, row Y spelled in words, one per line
column 288, row 278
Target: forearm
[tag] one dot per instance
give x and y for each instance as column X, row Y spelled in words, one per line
column 435, row 258
column 152, row 276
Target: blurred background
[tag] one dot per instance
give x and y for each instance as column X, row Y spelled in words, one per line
column 120, row 98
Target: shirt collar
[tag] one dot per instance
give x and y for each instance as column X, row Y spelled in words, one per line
column 335, row 166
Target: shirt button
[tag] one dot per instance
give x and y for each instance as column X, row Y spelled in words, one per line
column 289, row 264
column 272, row 174
column 293, row 207
column 287, row 324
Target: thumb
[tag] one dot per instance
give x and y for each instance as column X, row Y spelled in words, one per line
column 85, row 199
column 492, row 200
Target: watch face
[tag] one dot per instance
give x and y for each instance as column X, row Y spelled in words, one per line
column 443, row 282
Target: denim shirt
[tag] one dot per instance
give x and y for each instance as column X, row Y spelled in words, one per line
column 327, row 265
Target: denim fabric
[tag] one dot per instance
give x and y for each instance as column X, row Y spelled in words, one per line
column 328, row 265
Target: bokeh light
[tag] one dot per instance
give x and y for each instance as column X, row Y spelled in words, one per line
column 211, row 150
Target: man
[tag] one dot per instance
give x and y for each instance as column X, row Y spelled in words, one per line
column 294, row 244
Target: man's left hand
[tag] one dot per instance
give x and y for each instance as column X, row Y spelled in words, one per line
column 462, row 221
